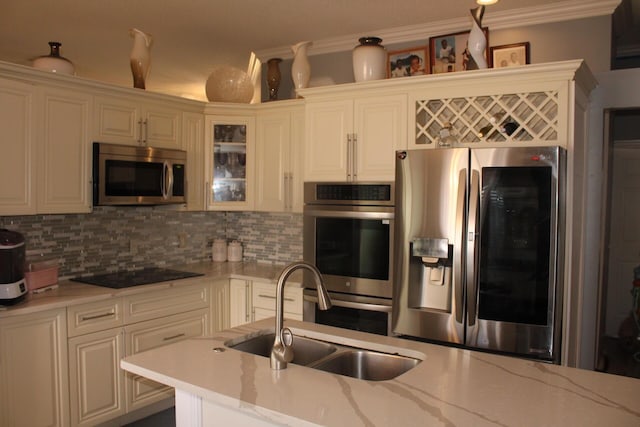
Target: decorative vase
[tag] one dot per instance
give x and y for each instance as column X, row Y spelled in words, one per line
column 369, row 60
column 300, row 68
column 273, row 77
column 140, row 57
column 477, row 41
column 54, row 62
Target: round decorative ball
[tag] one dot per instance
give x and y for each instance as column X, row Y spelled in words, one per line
column 229, row 84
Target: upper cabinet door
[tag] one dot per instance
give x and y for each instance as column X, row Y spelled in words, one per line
column 117, row 120
column 230, row 157
column 193, row 144
column 328, row 128
column 380, row 130
column 132, row 121
column 64, row 166
column 272, row 167
column 279, row 158
column 161, row 126
column 355, row 139
column 17, row 170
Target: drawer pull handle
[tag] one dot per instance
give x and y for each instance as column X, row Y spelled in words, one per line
column 273, row 297
column 98, row 316
column 173, row 337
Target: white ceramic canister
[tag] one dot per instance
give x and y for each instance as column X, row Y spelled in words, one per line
column 219, row 250
column 234, row 251
column 369, row 60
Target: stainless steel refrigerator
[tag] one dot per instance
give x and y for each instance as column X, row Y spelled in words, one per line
column 479, row 237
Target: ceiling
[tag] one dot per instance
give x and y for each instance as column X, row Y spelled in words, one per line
column 192, row 36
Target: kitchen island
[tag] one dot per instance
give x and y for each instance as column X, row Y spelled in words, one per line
column 451, row 387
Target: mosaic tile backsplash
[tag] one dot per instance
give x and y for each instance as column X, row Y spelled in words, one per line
column 121, row 238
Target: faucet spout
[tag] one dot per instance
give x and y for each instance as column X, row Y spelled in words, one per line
column 282, row 352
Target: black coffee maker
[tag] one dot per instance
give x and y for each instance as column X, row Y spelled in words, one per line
column 13, row 286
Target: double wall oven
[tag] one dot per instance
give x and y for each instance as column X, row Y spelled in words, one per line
column 348, row 234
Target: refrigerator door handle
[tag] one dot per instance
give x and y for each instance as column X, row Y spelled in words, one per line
column 458, row 246
column 472, row 247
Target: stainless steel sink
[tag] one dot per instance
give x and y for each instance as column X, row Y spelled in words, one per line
column 338, row 359
column 366, row 364
column 305, row 350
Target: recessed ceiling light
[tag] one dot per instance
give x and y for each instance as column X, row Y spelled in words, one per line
column 486, row 2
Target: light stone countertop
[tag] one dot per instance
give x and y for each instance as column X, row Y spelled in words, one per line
column 450, row 387
column 72, row 293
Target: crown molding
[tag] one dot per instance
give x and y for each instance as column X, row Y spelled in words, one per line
column 556, row 12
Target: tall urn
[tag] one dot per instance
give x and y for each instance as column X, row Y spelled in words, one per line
column 300, row 68
column 273, row 77
column 140, row 57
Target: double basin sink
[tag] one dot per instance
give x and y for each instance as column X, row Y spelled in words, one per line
column 326, row 356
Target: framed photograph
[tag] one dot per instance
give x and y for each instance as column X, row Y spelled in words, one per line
column 450, row 53
column 510, row 55
column 408, row 62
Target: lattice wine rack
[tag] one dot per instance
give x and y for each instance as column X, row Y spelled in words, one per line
column 513, row 117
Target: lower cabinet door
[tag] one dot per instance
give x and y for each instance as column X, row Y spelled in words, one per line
column 144, row 336
column 33, row 370
column 96, row 380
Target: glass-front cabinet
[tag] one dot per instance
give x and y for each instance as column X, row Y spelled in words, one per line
column 230, row 162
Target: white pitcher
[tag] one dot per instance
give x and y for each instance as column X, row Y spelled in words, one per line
column 300, row 68
column 140, row 57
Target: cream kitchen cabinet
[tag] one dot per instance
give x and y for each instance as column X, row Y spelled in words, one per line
column 17, row 151
column 193, row 144
column 96, row 345
column 96, row 380
column 279, row 157
column 252, row 300
column 46, row 167
column 63, row 152
column 264, row 301
column 239, row 302
column 219, row 306
column 137, row 121
column 354, row 139
column 103, row 332
column 141, row 391
column 229, row 164
column 34, row 384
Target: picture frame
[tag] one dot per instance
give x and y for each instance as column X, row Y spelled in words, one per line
column 509, row 55
column 447, row 52
column 399, row 62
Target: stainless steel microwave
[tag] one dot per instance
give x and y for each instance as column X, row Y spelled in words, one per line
column 130, row 175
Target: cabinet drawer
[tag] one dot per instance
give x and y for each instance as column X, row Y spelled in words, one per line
column 95, row 316
column 264, row 313
column 165, row 302
column 264, row 296
column 143, row 336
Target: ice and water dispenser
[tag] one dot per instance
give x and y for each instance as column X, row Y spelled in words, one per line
column 430, row 273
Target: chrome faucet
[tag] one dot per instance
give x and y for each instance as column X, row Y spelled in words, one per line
column 282, row 353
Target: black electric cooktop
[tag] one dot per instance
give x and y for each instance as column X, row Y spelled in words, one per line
column 126, row 279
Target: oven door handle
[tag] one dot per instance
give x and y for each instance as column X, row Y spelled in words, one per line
column 349, row 214
column 349, row 304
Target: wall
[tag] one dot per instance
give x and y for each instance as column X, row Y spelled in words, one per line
column 111, row 239
column 588, row 39
column 612, row 93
